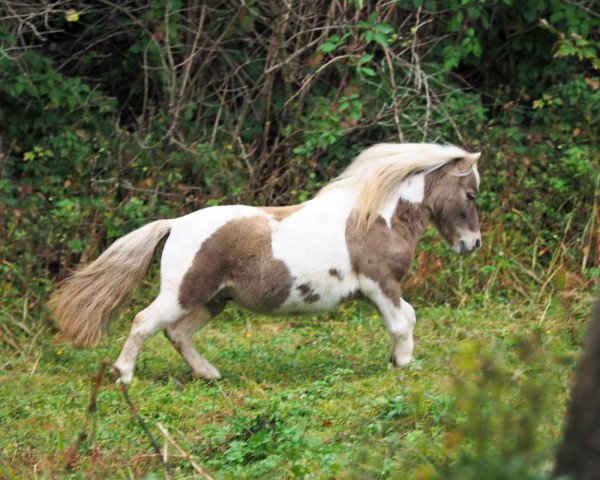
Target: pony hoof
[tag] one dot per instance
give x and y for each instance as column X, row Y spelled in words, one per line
column 208, row 374
column 399, row 362
column 115, row 372
column 120, row 377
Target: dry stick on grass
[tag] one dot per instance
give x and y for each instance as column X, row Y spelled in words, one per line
column 588, row 231
column 71, row 453
column 138, row 417
column 184, row 454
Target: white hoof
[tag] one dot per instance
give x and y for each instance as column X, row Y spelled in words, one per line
column 207, row 372
column 400, row 360
column 122, row 375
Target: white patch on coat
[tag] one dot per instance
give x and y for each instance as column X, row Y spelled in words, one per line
column 412, row 190
column 311, row 242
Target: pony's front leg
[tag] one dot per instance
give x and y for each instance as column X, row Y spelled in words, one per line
column 398, row 317
column 400, row 326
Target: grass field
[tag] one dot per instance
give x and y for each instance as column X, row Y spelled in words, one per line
column 309, row 397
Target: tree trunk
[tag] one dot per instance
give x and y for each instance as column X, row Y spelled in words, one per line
column 579, row 453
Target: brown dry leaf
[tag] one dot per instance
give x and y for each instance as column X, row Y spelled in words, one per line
column 82, row 134
column 592, row 82
column 71, row 456
column 315, row 59
column 453, row 438
column 147, row 183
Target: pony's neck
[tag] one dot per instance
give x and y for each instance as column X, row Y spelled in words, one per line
column 410, row 220
column 408, row 213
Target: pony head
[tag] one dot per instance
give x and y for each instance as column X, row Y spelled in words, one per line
column 442, row 180
column 450, row 198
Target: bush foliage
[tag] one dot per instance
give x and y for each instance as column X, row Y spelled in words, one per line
column 119, row 113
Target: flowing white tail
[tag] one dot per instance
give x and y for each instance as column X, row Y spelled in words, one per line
column 86, row 301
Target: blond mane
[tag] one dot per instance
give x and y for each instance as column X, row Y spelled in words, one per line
column 378, row 171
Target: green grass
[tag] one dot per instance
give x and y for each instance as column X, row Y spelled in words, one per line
column 308, row 397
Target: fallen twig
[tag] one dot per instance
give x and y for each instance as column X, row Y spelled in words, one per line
column 138, row 417
column 99, row 377
column 71, row 453
column 183, row 453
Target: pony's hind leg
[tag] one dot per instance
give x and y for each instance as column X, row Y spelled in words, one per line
column 162, row 312
column 180, row 335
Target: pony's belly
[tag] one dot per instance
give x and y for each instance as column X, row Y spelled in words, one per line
column 309, row 296
column 304, row 296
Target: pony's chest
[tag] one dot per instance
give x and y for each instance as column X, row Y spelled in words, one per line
column 382, row 252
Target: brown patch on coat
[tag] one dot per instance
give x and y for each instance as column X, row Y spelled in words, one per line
column 309, row 295
column 216, row 307
column 353, row 295
column 385, row 254
column 312, row 298
column 280, row 213
column 334, row 272
column 237, row 263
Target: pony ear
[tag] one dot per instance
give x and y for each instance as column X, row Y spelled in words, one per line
column 466, row 163
column 472, row 158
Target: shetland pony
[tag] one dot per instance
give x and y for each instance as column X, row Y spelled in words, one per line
column 355, row 239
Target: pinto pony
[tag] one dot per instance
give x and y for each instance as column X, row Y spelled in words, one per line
column 355, row 239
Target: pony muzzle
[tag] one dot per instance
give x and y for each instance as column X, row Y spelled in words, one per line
column 468, row 242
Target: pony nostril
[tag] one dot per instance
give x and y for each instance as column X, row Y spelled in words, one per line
column 478, row 243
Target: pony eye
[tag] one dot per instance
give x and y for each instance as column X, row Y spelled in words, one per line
column 471, row 196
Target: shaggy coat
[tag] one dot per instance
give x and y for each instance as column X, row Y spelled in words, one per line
column 356, row 238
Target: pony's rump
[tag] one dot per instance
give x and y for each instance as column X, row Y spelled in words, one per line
column 86, row 301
